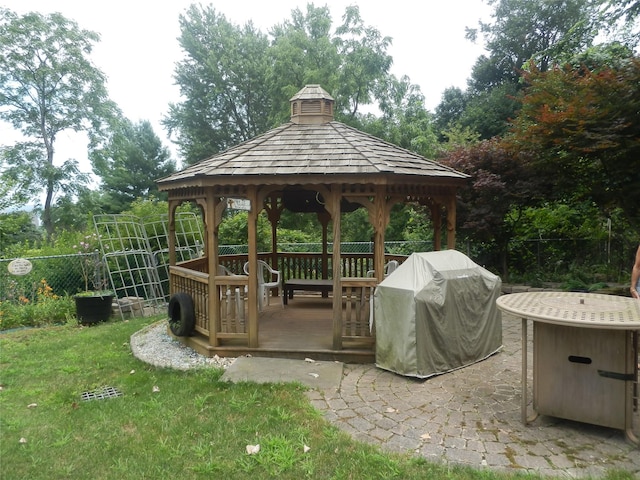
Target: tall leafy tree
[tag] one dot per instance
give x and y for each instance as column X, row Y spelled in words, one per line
column 364, row 77
column 237, row 82
column 404, row 120
column 351, row 61
column 303, row 52
column 130, row 165
column 546, row 31
column 451, row 107
column 48, row 85
column 223, row 79
column 489, row 113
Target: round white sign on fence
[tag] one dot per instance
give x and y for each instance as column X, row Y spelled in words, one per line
column 19, row 266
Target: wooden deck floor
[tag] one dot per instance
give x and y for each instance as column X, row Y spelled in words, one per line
column 302, row 329
column 305, row 324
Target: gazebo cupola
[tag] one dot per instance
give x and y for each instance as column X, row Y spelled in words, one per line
column 312, row 106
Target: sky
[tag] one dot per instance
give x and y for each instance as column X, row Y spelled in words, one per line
column 139, row 48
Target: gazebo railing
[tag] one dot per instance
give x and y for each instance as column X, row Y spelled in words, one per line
column 196, row 284
column 355, row 325
column 357, row 315
column 301, row 265
column 309, row 265
column 232, row 291
column 198, row 264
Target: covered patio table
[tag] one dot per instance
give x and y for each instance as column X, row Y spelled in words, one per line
column 585, row 356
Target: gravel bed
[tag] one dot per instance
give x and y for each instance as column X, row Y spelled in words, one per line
column 155, row 346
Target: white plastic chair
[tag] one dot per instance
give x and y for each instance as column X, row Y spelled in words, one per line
column 268, row 278
column 389, row 268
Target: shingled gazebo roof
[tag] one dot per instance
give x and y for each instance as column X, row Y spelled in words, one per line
column 312, row 148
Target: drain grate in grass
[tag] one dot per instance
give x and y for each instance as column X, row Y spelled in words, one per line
column 101, row 394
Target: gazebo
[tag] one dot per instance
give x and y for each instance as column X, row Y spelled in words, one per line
column 310, row 164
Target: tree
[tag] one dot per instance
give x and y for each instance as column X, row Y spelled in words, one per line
column 224, row 81
column 584, row 127
column 451, row 107
column 620, row 17
column 355, row 226
column 351, row 62
column 548, row 32
column 75, row 212
column 47, row 86
column 17, row 228
column 237, row 82
column 364, row 77
column 234, row 231
column 489, row 113
column 606, row 55
column 501, row 185
column 404, row 120
column 303, row 52
column 130, row 165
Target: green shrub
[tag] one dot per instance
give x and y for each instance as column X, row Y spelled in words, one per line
column 46, row 309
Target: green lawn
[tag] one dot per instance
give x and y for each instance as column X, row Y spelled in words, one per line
column 166, row 424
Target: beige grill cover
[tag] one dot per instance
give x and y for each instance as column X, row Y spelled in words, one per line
column 435, row 313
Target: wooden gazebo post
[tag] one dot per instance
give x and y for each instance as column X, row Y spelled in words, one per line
column 324, row 219
column 380, row 221
column 212, row 219
column 273, row 214
column 172, row 231
column 333, row 207
column 253, row 264
column 451, row 221
column 436, row 219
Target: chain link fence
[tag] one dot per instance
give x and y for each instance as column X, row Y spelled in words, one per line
column 397, row 248
column 594, row 259
column 64, row 274
column 556, row 258
column 70, row 274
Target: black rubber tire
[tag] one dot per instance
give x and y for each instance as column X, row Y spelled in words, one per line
column 182, row 317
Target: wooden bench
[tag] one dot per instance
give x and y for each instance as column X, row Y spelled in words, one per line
column 307, row 285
